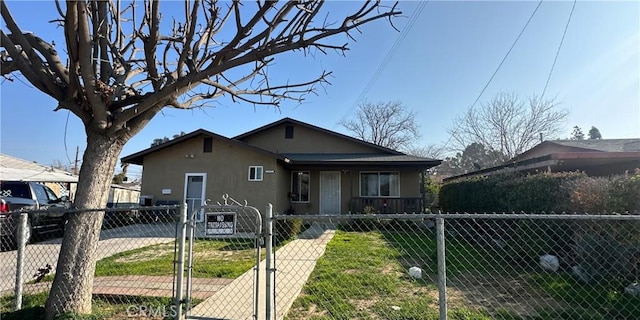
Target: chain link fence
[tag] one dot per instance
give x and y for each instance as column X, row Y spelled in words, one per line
column 493, row 266
column 134, row 272
column 368, row 266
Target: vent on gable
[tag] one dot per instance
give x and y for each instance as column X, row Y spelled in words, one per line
column 207, row 145
column 288, row 132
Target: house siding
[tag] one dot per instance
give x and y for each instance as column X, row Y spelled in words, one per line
column 350, row 187
column 305, row 140
column 226, row 168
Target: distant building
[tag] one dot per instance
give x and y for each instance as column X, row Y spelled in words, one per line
column 601, row 157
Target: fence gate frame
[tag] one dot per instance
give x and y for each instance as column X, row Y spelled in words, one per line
column 188, row 225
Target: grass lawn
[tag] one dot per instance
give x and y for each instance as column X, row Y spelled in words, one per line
column 103, row 309
column 212, row 259
column 363, row 275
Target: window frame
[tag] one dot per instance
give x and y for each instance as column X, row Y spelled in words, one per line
column 378, row 195
column 296, row 173
column 259, row 173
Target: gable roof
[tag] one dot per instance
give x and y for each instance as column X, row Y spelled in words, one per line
column 594, row 145
column 15, row 169
column 138, row 157
column 604, row 145
column 310, row 126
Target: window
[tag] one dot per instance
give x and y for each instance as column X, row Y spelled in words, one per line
column 41, row 194
column 207, row 146
column 255, row 173
column 50, row 194
column 379, row 184
column 300, row 186
column 288, row 132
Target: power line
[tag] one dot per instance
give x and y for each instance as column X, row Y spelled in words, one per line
column 494, row 73
column 392, row 51
column 558, row 51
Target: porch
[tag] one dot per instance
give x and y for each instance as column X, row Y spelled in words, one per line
column 386, row 205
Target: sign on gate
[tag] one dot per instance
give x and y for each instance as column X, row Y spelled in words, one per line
column 220, row 223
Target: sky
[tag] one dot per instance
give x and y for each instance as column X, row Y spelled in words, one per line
column 437, row 64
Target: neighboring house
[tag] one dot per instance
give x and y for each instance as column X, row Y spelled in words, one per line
column 123, row 195
column 16, row 169
column 598, row 157
column 63, row 183
column 297, row 167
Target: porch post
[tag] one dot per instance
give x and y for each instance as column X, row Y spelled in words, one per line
column 423, row 191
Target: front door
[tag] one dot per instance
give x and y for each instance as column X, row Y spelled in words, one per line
column 330, row 192
column 194, row 192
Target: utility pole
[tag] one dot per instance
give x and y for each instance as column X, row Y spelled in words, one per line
column 75, row 164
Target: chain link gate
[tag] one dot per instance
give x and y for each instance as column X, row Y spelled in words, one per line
column 232, row 231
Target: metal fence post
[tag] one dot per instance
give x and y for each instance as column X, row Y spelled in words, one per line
column 177, row 301
column 22, row 243
column 269, row 248
column 442, row 269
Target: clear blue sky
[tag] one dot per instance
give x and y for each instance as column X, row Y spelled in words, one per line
column 439, row 69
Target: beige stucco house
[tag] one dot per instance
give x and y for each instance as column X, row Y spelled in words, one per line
column 297, row 167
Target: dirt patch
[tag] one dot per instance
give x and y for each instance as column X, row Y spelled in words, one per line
column 512, row 293
column 212, row 254
column 146, row 255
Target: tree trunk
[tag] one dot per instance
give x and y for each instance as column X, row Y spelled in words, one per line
column 72, row 286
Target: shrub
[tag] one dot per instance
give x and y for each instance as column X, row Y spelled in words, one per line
column 602, row 249
column 286, row 229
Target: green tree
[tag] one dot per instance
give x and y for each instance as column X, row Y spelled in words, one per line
column 577, row 134
column 474, row 157
column 121, row 63
column 594, row 133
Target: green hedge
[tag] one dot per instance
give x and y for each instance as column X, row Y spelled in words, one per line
column 509, row 193
column 603, row 249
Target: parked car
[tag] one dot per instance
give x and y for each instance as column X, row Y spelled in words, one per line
column 45, row 209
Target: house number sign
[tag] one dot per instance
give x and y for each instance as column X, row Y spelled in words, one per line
column 220, row 223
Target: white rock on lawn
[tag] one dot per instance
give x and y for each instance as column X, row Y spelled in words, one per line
column 549, row 262
column 415, row 272
column 633, row 289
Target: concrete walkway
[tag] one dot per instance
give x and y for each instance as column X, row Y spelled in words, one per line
column 293, row 263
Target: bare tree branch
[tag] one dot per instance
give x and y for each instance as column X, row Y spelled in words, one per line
column 388, row 124
column 508, row 125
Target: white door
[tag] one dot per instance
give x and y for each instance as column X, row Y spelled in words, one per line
column 330, row 192
column 194, row 192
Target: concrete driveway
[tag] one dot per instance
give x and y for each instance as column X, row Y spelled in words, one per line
column 112, row 241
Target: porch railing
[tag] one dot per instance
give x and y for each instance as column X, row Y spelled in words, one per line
column 386, row 205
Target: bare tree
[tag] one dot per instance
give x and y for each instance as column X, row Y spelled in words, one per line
column 388, row 124
column 508, row 125
column 429, row 151
column 122, row 64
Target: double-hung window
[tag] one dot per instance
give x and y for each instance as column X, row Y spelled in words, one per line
column 300, row 186
column 255, row 173
column 379, row 184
